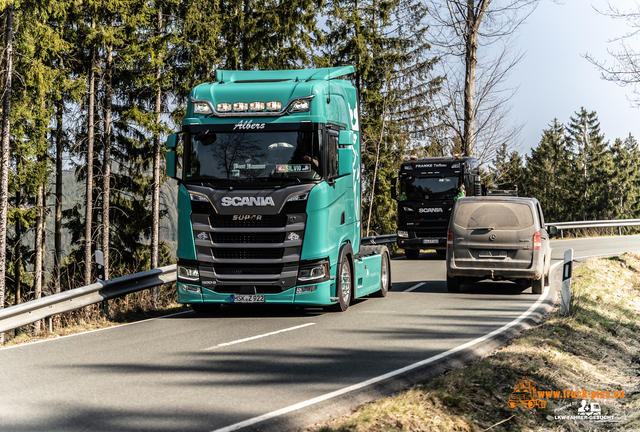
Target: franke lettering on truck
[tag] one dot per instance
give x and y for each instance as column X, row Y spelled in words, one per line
column 247, row 201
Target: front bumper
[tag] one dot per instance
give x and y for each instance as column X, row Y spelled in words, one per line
column 422, row 243
column 320, row 297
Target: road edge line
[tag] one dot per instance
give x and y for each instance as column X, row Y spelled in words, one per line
column 412, row 367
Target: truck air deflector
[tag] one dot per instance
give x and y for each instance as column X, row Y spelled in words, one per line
column 237, row 76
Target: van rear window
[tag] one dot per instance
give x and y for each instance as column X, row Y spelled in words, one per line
column 496, row 215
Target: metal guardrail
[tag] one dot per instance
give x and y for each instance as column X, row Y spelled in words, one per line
column 32, row 311
column 29, row 312
column 595, row 224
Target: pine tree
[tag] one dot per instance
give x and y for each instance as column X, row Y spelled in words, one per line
column 548, row 173
column 392, row 69
column 625, row 182
column 591, row 161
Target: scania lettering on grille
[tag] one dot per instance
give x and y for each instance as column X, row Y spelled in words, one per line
column 247, row 201
column 247, row 217
column 430, row 210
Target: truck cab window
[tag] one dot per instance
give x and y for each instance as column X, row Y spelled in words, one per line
column 332, row 152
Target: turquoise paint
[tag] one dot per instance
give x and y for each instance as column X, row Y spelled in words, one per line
column 285, row 297
column 334, row 102
column 186, row 243
column 185, row 296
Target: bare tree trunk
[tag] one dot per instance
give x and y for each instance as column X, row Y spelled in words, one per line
column 89, row 189
column 37, row 289
column 18, row 257
column 106, row 193
column 57, row 254
column 471, row 62
column 155, row 230
column 375, row 170
column 4, row 157
column 106, row 174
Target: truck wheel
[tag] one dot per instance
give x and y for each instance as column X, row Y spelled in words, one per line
column 385, row 275
column 442, row 253
column 453, row 284
column 412, row 253
column 530, row 404
column 205, row 308
column 537, row 286
column 344, row 282
column 512, row 404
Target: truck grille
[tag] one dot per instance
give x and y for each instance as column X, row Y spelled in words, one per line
column 247, row 238
column 259, row 253
column 247, row 269
column 295, row 207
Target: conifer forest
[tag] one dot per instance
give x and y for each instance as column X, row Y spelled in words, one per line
column 92, row 88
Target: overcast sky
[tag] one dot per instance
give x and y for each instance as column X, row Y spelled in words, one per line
column 554, row 78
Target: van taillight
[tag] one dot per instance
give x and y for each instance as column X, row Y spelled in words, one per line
column 449, row 239
column 537, row 241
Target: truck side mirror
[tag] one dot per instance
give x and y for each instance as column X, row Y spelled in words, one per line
column 552, row 230
column 345, row 161
column 346, row 138
column 172, row 141
column 394, row 181
column 170, row 156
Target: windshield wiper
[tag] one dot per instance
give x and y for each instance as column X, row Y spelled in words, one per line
column 484, row 228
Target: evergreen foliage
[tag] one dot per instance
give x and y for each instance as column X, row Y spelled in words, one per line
column 144, row 57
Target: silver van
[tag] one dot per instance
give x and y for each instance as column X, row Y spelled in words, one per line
column 498, row 238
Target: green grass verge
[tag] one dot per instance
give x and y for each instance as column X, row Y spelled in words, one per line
column 596, row 347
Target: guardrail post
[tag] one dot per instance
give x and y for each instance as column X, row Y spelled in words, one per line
column 567, row 269
column 100, row 273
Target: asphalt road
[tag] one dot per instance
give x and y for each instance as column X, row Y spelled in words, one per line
column 186, row 372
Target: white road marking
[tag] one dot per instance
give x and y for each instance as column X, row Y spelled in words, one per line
column 258, row 337
column 392, row 374
column 415, row 287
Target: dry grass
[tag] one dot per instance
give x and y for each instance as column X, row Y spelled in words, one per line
column 131, row 308
column 596, row 347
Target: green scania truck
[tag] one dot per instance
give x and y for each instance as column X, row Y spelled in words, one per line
column 268, row 167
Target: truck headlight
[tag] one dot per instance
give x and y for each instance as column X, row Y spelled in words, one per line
column 300, row 105
column 201, row 108
column 313, row 272
column 403, row 234
column 407, row 209
column 298, row 197
column 188, row 273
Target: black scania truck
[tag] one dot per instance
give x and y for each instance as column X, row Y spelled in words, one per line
column 426, row 190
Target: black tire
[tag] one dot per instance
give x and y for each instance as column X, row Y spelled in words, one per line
column 344, row 281
column 453, row 284
column 442, row 253
column 537, row 286
column 385, row 275
column 412, row 254
column 205, row 308
column 546, row 276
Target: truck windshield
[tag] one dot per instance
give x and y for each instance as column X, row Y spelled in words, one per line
column 428, row 188
column 254, row 155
